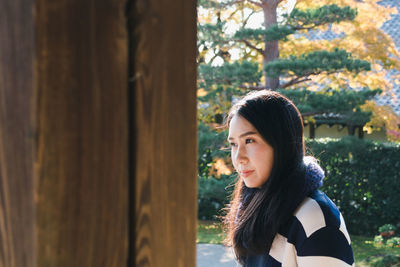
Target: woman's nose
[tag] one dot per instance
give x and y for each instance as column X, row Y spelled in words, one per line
column 241, row 155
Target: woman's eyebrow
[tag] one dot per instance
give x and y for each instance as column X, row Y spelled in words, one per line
column 243, row 134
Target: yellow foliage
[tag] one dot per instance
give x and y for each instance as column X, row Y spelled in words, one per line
column 220, row 167
column 362, row 38
column 201, row 92
column 383, row 117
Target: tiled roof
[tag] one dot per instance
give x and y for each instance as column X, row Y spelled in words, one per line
column 392, row 27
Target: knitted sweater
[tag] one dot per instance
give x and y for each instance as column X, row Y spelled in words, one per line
column 316, row 236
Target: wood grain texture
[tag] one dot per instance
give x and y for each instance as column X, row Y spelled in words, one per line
column 17, row 244
column 82, row 150
column 164, row 101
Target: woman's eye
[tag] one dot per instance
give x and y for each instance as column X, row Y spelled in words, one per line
column 232, row 144
column 248, row 141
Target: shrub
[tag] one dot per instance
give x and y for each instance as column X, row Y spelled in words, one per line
column 386, row 228
column 363, row 179
column 213, row 195
column 378, row 240
column 393, row 242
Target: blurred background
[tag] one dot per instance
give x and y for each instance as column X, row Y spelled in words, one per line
column 339, row 62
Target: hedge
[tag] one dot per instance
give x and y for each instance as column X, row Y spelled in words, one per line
column 362, row 178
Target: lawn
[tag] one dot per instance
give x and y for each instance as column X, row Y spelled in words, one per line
column 366, row 253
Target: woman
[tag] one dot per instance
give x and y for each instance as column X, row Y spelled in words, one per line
column 277, row 217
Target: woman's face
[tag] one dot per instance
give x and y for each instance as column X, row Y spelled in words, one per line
column 252, row 156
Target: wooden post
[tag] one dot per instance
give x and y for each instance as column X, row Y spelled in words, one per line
column 312, row 130
column 360, row 132
column 82, row 128
column 94, row 170
column 17, row 136
column 163, row 75
column 351, row 129
column 64, row 133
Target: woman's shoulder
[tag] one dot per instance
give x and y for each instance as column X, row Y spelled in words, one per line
column 318, row 211
column 318, row 233
column 318, row 208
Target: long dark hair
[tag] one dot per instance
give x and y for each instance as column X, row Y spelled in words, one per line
column 255, row 215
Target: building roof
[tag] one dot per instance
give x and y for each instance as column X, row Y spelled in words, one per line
column 392, row 27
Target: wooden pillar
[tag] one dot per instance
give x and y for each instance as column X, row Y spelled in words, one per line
column 96, row 170
column 360, row 132
column 351, row 129
column 163, row 75
column 64, row 133
column 312, row 130
column 17, row 135
column 82, row 131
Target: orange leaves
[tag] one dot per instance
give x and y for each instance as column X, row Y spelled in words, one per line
column 383, row 117
column 220, row 167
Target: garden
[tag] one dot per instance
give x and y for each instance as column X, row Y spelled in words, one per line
column 325, row 56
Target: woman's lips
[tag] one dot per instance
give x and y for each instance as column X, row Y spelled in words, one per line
column 245, row 174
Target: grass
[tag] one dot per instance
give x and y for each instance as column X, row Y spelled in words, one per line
column 366, row 253
column 209, row 232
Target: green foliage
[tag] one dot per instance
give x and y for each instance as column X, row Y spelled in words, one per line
column 393, row 242
column 328, row 101
column 210, row 146
column 273, row 33
column 378, row 240
column 233, row 74
column 362, row 178
column 386, row 228
column 213, row 195
column 389, row 260
column 316, row 62
column 297, row 20
column 211, row 34
column 221, row 83
column 310, row 18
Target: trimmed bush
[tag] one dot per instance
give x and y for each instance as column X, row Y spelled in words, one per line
column 213, row 196
column 363, row 179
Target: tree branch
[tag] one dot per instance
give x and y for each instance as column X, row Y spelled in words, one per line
column 305, row 114
column 247, row 19
column 306, row 28
column 294, row 81
column 255, row 3
column 250, row 45
column 305, row 78
column 250, row 87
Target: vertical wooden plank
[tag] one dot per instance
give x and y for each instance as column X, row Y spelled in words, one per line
column 312, row 130
column 164, row 101
column 16, row 134
column 81, row 164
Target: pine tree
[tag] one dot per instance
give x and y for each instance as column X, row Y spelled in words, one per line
column 260, row 66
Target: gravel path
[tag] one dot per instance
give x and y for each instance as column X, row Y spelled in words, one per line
column 211, row 255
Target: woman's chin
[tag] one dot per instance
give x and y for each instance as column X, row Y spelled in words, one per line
column 250, row 184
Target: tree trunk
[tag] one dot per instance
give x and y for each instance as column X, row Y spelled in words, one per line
column 271, row 51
